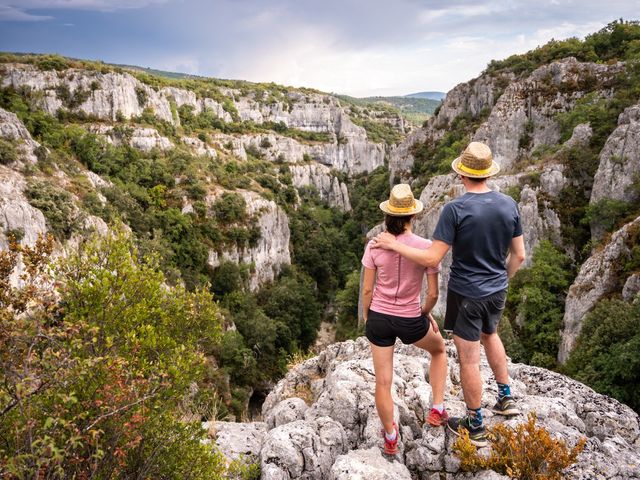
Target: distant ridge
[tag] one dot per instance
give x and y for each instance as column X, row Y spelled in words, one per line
column 429, row 95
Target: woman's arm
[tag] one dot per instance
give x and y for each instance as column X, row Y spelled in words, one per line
column 367, row 290
column 431, row 298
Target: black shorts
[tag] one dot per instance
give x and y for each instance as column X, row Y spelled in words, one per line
column 382, row 329
column 466, row 317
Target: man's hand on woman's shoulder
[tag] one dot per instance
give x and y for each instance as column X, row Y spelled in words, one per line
column 383, row 240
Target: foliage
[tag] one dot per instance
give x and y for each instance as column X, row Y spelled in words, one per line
column 56, row 205
column 609, row 214
column 8, row 153
column 379, row 131
column 527, row 452
column 91, row 384
column 607, row 352
column 536, row 304
column 617, row 41
column 347, row 306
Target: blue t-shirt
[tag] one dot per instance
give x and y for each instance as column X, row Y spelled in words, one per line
column 479, row 227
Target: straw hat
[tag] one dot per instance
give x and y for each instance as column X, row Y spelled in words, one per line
column 401, row 202
column 476, row 162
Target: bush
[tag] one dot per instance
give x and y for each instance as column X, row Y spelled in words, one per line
column 527, row 452
column 116, row 351
column 607, row 352
column 56, row 205
column 536, row 301
column 8, row 153
column 230, row 208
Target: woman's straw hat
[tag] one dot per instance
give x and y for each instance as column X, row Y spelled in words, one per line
column 401, row 202
column 476, row 162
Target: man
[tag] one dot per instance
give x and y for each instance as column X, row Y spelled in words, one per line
column 483, row 229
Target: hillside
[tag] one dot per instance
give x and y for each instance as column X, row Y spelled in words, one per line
column 438, row 96
column 197, row 231
column 414, row 109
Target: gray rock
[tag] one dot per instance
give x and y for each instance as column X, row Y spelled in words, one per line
column 272, row 249
column 238, row 440
column 367, row 464
column 619, row 160
column 631, row 288
column 12, row 129
column 287, row 411
column 598, row 277
column 329, row 187
column 302, row 449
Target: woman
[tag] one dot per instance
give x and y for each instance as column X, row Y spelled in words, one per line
column 393, row 310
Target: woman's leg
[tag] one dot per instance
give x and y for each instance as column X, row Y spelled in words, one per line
column 433, row 343
column 383, row 367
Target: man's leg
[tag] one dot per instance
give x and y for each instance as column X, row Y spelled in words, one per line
column 497, row 358
column 469, row 357
column 494, row 349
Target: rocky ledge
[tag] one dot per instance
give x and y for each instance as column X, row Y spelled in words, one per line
column 320, row 421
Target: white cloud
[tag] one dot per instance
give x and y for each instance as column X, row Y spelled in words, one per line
column 11, row 14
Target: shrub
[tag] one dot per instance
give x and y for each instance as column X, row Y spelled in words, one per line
column 607, row 352
column 527, row 452
column 536, row 299
column 141, row 95
column 56, row 205
column 8, row 153
column 230, row 208
column 117, row 350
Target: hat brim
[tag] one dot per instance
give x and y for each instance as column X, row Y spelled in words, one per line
column 384, row 206
column 493, row 170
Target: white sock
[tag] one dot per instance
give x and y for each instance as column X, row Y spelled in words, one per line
column 391, row 436
column 439, row 407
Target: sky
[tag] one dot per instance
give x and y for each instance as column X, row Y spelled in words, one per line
column 359, row 48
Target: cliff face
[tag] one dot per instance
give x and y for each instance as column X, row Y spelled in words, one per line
column 113, row 96
column 111, row 105
column 320, row 420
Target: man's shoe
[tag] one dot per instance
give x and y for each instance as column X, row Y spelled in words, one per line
column 477, row 435
column 436, row 419
column 391, row 446
column 506, row 406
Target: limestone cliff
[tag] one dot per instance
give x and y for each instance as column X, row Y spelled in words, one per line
column 321, row 421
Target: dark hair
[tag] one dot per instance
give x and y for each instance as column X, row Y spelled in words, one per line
column 477, row 180
column 396, row 225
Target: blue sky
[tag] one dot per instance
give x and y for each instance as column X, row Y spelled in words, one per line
column 364, row 47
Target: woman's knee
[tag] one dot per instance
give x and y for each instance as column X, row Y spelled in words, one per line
column 384, row 382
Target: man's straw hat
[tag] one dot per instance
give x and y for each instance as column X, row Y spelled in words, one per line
column 401, row 202
column 476, row 162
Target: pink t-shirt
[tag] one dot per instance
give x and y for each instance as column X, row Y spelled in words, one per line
column 398, row 280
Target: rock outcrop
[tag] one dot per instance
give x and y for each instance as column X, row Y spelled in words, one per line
column 328, row 186
column 598, row 276
column 272, row 249
column 619, row 164
column 338, row 435
column 112, row 96
column 13, row 130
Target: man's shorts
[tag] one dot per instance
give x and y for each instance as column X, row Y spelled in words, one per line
column 467, row 317
column 382, row 329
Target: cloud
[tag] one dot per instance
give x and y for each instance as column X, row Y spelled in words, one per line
column 11, row 14
column 11, row 11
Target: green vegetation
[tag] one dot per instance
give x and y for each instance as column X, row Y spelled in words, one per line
column 56, row 205
column 607, row 353
column 434, row 158
column 96, row 383
column 8, row 153
column 535, row 307
column 414, row 109
column 618, row 41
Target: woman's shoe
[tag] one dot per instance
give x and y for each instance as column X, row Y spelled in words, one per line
column 437, row 419
column 391, row 446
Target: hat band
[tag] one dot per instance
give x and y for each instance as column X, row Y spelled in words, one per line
column 401, row 209
column 473, row 171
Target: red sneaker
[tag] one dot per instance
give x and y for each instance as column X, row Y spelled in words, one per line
column 436, row 419
column 391, row 446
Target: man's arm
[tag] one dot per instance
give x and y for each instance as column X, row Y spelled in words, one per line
column 367, row 291
column 429, row 257
column 516, row 255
